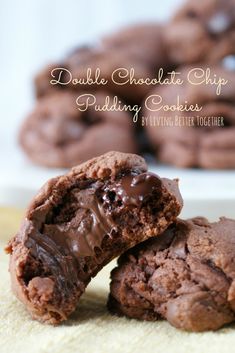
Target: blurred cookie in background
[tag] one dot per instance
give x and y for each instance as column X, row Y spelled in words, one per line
column 200, row 33
column 97, row 69
column 121, row 59
column 42, row 81
column 57, row 134
column 57, row 71
column 202, row 30
column 116, row 67
column 142, row 41
column 192, row 125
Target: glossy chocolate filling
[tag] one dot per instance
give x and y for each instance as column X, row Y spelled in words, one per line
column 79, row 234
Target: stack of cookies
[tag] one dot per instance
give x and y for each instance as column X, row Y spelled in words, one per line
column 179, row 270
column 200, row 35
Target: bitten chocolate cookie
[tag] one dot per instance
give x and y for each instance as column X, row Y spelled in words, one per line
column 186, row 275
column 79, row 222
column 184, row 136
column 58, row 134
column 202, row 30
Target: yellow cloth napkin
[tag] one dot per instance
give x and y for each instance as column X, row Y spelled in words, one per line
column 91, row 329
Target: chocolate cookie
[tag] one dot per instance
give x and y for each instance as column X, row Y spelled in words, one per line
column 143, row 41
column 114, row 66
column 202, row 30
column 186, row 275
column 55, row 72
column 42, row 80
column 134, row 53
column 58, row 134
column 79, row 222
column 191, row 138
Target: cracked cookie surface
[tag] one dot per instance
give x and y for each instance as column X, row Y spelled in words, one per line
column 186, row 275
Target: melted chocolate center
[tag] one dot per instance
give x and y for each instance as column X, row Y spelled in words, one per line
column 133, row 189
column 62, row 244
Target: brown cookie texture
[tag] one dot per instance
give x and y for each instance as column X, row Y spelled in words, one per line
column 58, row 134
column 115, row 65
column 79, row 222
column 112, row 65
column 186, row 276
column 201, row 31
column 143, row 41
column 135, row 52
column 42, row 80
column 187, row 143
